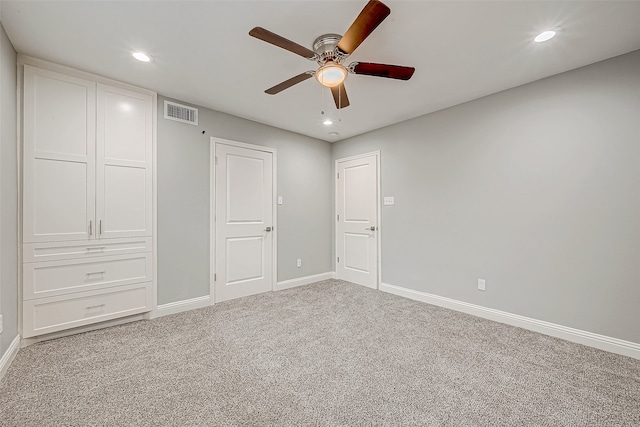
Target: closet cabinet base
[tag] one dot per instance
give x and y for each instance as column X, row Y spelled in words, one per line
column 45, row 315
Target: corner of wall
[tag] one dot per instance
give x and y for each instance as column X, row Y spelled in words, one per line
column 9, row 192
column 9, row 355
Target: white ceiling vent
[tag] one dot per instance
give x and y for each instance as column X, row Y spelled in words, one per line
column 180, row 113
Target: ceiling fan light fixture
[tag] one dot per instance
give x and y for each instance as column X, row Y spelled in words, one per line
column 331, row 74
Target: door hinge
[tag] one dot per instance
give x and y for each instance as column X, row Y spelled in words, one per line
column 216, row 160
column 338, row 175
column 215, row 277
column 338, row 259
column 338, row 217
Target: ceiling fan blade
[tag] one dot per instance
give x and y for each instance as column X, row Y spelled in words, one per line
column 288, row 83
column 382, row 70
column 371, row 16
column 274, row 39
column 340, row 96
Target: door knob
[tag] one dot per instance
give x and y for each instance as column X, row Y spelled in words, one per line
column 268, row 229
column 372, row 228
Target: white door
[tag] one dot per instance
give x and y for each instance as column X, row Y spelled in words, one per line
column 123, row 153
column 59, row 157
column 244, row 228
column 357, row 220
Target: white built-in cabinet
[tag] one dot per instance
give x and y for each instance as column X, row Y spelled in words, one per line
column 87, row 200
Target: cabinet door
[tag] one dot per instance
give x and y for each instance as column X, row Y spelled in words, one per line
column 59, row 157
column 124, row 163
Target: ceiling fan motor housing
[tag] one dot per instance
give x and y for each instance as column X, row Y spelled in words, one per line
column 326, row 47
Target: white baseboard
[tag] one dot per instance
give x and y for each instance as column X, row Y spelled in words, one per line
column 9, row 355
column 602, row 342
column 292, row 283
column 180, row 306
column 205, row 301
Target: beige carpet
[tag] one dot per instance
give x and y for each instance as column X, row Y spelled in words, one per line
column 327, row 354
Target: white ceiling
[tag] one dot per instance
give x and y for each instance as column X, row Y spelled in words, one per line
column 203, row 54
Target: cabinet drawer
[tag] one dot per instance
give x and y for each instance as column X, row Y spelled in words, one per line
column 34, row 252
column 45, row 279
column 46, row 315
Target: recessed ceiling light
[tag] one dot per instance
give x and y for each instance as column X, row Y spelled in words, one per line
column 327, row 122
column 141, row 56
column 544, row 36
column 333, row 134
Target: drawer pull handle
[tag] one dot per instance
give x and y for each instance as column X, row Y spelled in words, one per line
column 96, row 272
column 96, row 248
column 95, row 306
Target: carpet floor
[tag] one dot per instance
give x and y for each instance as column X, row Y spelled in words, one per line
column 326, row 354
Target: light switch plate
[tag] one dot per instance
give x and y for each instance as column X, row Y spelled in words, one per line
column 279, row 200
column 481, row 284
column 389, row 201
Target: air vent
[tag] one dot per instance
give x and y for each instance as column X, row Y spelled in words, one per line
column 180, row 113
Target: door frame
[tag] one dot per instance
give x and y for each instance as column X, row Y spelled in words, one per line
column 378, row 211
column 212, row 208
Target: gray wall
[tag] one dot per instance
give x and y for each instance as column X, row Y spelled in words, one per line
column 535, row 189
column 8, row 194
column 304, row 180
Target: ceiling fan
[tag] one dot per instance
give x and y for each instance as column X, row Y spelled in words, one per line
column 331, row 50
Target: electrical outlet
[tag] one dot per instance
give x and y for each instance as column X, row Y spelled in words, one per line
column 481, row 284
column 299, row 263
